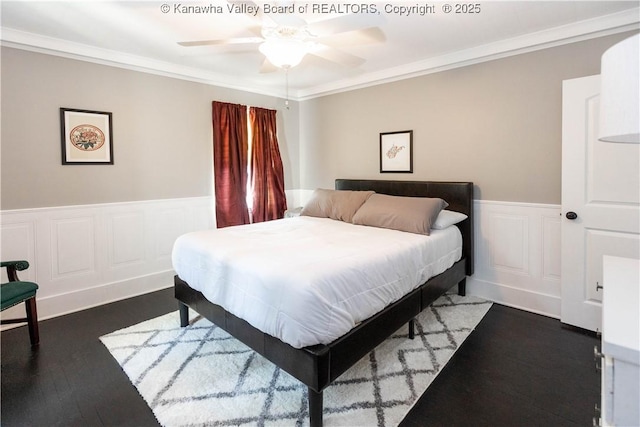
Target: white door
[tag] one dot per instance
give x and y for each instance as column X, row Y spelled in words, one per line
column 601, row 186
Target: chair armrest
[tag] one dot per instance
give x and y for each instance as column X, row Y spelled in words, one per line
column 13, row 267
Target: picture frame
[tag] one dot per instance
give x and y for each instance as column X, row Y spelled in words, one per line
column 86, row 136
column 396, row 152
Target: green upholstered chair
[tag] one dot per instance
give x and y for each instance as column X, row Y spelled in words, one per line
column 15, row 292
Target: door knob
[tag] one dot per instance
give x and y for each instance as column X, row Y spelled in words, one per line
column 571, row 215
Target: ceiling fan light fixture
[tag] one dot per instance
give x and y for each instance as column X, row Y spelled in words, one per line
column 284, row 53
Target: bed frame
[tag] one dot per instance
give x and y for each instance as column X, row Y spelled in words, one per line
column 319, row 365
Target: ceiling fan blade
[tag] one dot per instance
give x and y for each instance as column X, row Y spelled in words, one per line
column 373, row 35
column 257, row 30
column 345, row 23
column 224, row 49
column 267, row 67
column 240, row 40
column 354, row 38
column 337, row 56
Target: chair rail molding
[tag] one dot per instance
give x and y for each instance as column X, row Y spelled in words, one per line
column 88, row 255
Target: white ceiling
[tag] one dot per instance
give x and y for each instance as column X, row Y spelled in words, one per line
column 138, row 35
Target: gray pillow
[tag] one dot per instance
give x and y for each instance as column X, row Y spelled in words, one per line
column 335, row 204
column 410, row 214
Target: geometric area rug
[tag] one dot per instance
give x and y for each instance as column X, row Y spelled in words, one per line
column 201, row 376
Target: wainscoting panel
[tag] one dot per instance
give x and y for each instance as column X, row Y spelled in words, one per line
column 517, row 259
column 126, row 237
column 24, row 247
column 73, row 246
column 168, row 224
column 509, row 242
column 551, row 232
column 83, row 256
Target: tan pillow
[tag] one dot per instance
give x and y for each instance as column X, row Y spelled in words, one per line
column 335, row 204
column 411, row 214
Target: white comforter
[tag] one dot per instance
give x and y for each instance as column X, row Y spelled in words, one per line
column 310, row 280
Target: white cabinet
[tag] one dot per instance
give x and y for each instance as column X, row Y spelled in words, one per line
column 620, row 404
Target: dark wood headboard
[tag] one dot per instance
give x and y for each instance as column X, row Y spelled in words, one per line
column 459, row 195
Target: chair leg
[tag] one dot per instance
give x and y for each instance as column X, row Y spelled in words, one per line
column 32, row 321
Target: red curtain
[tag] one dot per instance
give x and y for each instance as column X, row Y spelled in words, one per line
column 267, row 176
column 230, row 152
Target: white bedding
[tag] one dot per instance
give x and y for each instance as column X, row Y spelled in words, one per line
column 310, row 280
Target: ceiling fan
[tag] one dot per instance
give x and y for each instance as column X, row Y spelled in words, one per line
column 285, row 39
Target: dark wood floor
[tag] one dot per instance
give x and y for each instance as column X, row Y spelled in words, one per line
column 516, row 369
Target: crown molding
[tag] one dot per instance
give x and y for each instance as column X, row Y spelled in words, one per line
column 51, row 46
column 626, row 20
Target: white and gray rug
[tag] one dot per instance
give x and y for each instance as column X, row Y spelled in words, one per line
column 201, row 376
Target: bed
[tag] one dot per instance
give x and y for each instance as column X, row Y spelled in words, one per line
column 318, row 365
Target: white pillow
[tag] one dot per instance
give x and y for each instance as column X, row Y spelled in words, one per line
column 448, row 218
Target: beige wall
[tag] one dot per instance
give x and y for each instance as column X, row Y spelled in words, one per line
column 496, row 123
column 161, row 133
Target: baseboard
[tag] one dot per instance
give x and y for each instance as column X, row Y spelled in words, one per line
column 83, row 299
column 59, row 305
column 531, row 301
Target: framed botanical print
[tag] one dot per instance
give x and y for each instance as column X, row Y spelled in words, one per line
column 87, row 137
column 396, row 152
